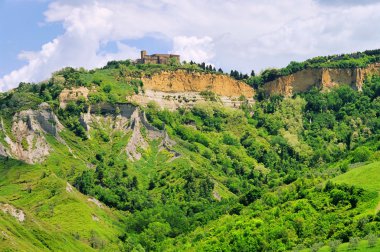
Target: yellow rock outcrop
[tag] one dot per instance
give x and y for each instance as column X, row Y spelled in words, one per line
column 324, row 78
column 183, row 81
column 72, row 94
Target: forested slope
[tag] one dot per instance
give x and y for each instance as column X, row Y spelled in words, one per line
column 117, row 176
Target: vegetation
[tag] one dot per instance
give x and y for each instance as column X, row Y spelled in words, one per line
column 353, row 60
column 284, row 174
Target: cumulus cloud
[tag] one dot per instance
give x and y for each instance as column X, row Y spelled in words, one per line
column 238, row 34
column 346, row 2
column 193, row 48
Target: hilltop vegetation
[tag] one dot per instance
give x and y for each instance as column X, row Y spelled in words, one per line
column 256, row 178
column 341, row 61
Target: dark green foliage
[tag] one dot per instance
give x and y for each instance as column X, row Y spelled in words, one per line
column 197, row 186
column 70, row 117
column 71, row 76
column 26, row 96
column 85, row 182
column 251, row 196
column 238, row 75
column 107, row 88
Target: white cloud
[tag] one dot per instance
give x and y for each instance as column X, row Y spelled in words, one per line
column 238, row 34
column 193, row 48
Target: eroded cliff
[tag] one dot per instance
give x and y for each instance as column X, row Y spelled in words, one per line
column 324, row 78
column 183, row 88
column 26, row 140
column 183, row 81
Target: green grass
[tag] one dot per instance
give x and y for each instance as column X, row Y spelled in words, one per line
column 366, row 177
column 56, row 219
column 362, row 247
column 120, row 88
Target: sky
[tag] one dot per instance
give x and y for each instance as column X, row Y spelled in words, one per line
column 39, row 37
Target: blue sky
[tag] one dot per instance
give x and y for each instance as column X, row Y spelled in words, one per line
column 39, row 37
column 22, row 28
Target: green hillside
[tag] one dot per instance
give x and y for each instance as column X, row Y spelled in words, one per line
column 366, row 176
column 56, row 218
column 270, row 176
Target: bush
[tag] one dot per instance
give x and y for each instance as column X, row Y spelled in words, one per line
column 85, row 182
column 230, row 139
column 361, row 154
column 353, row 243
column 316, row 246
column 334, row 245
column 24, row 144
column 372, row 240
column 107, row 88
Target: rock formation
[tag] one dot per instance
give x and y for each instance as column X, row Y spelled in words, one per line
column 127, row 118
column 184, row 81
column 324, row 78
column 27, row 142
column 72, row 94
column 184, row 88
column 139, row 140
column 13, row 211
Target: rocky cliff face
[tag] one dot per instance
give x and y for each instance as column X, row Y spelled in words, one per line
column 324, row 78
column 182, row 88
column 72, row 94
column 27, row 141
column 139, row 141
column 114, row 117
column 126, row 118
column 176, row 100
column 183, row 81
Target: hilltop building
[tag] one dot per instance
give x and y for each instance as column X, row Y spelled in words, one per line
column 156, row 58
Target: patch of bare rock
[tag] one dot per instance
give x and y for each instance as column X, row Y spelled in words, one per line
column 13, row 211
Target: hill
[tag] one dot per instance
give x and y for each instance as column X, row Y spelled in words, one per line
column 323, row 78
column 365, row 176
column 323, row 72
column 84, row 166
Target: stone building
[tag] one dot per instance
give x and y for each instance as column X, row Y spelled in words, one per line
column 156, row 58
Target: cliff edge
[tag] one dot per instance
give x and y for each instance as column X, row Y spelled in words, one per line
column 172, row 89
column 183, row 81
column 324, row 78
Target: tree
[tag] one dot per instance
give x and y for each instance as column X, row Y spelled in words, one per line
column 251, row 196
column 361, row 154
column 316, row 246
column 334, row 245
column 337, row 196
column 85, row 182
column 353, row 243
column 372, row 240
column 107, row 88
column 134, row 183
column 173, row 62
